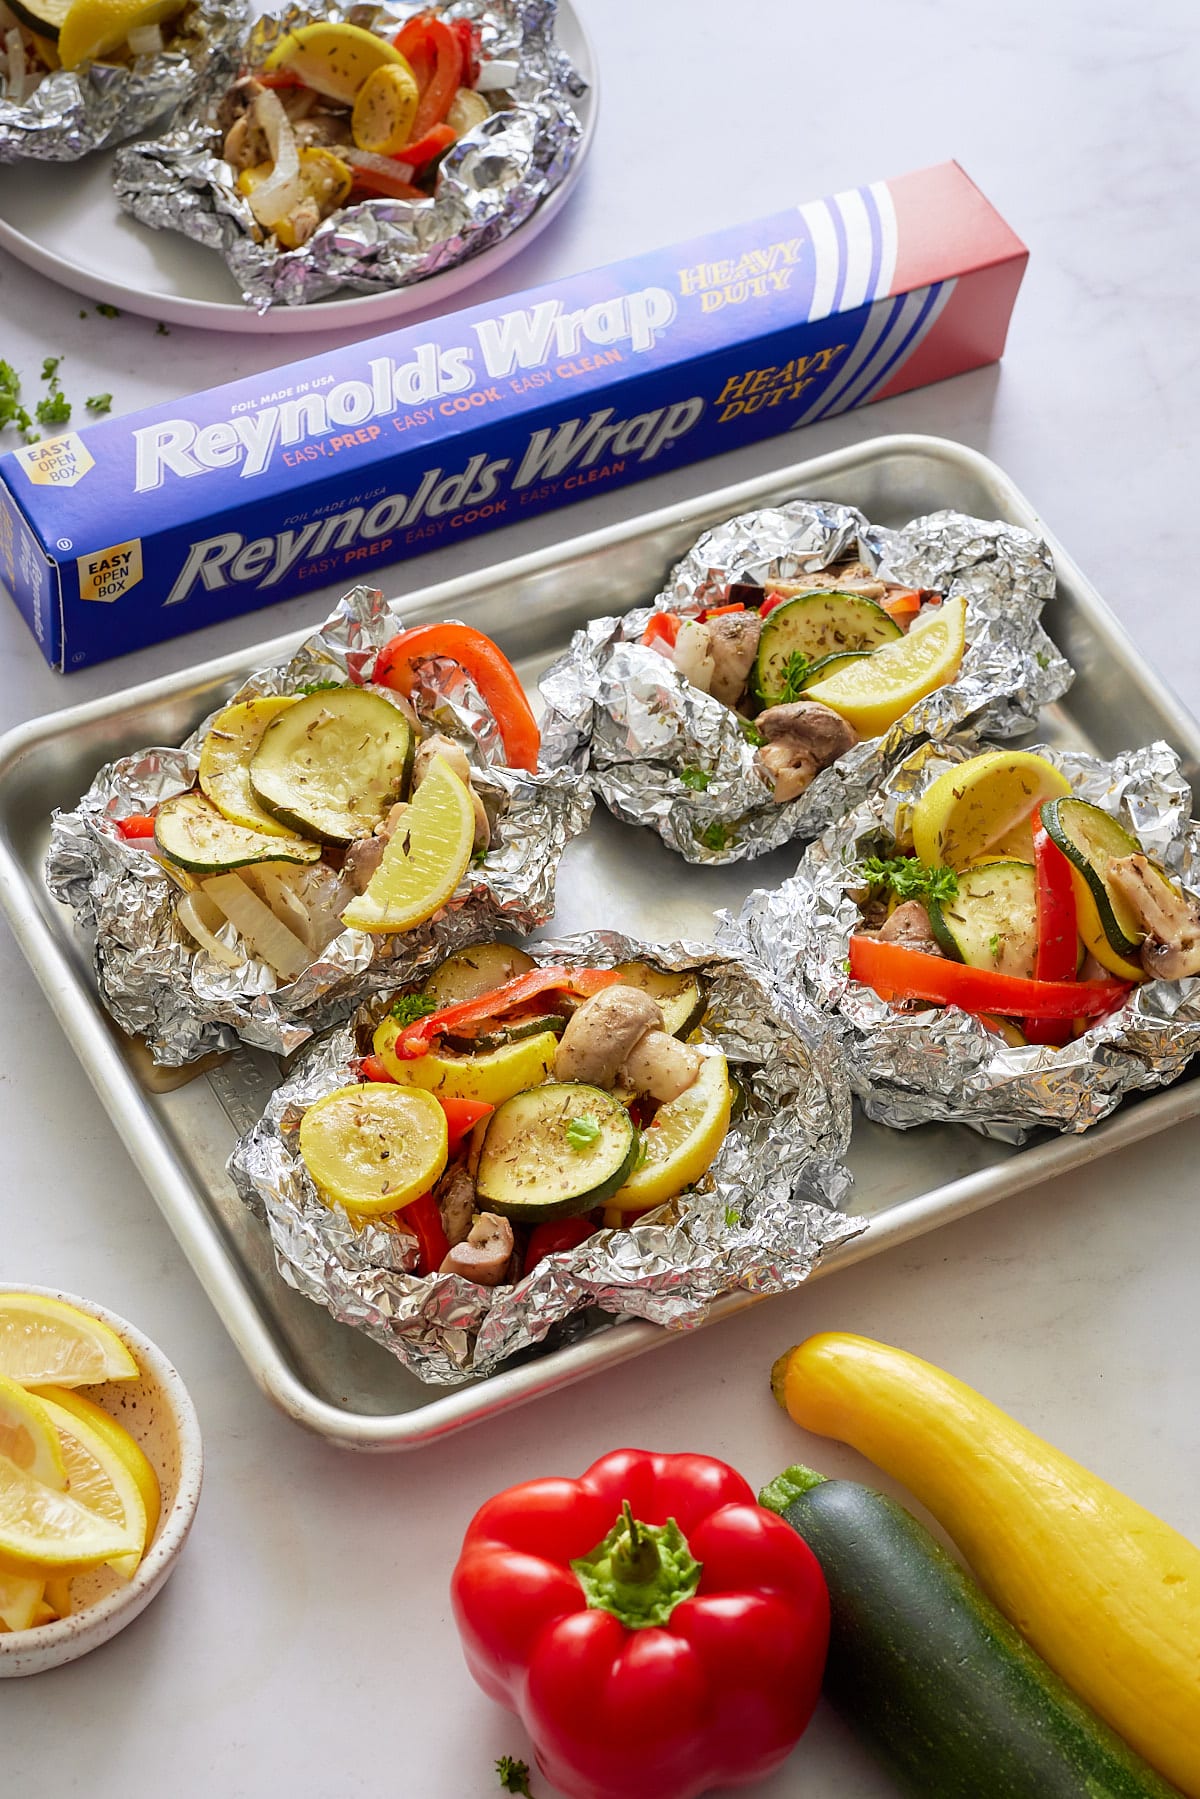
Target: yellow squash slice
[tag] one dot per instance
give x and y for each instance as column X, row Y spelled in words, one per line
column 374, row 1147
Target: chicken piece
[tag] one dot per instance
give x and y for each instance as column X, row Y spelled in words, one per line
column 485, row 1252
column 1171, row 921
column 909, row 926
column 299, row 222
column 456, row 759
column 455, row 1195
column 602, row 1033
column 692, row 655
column 803, row 737
column 733, row 645
column 661, row 1066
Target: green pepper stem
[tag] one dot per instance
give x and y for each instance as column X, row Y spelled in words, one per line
column 640, row 1572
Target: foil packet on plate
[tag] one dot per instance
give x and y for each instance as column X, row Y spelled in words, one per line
column 664, row 753
column 488, row 183
column 186, row 1001
column 71, row 112
column 914, row 1065
column 758, row 1220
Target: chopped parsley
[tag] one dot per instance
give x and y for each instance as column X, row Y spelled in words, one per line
column 479, row 856
column 50, row 368
column 312, row 686
column 1043, row 661
column 55, row 409
column 751, row 733
column 713, row 836
column 583, row 1131
column 11, row 410
column 107, row 310
column 411, row 1006
column 994, row 945
column 910, row 878
column 99, row 403
column 695, row 778
column 732, row 1218
column 513, row 1775
column 796, row 670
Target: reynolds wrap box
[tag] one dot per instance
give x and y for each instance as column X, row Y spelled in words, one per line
column 323, row 472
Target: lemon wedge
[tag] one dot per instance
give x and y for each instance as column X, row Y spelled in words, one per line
column 374, row 1147
column 45, row 1342
column 493, row 1076
column 21, row 1597
column 683, row 1140
column 120, row 1442
column 224, row 773
column 984, row 805
column 425, row 859
column 28, row 1436
column 95, row 28
column 872, row 692
column 98, row 1478
column 45, row 1532
column 333, row 58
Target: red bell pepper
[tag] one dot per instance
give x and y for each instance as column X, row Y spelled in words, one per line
column 769, row 604
column 435, row 54
column 470, row 42
column 424, row 149
column 663, row 627
column 381, row 181
column 898, row 973
column 1057, row 930
column 371, row 1068
column 557, row 1234
column 651, row 1625
column 902, row 605
column 462, row 1115
column 487, row 666
column 414, row 1040
column 137, row 825
column 719, row 612
column 423, row 1218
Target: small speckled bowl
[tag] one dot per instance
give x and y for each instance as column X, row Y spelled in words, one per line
column 156, row 1410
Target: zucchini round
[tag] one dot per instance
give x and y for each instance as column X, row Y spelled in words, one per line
column 225, row 755
column 43, row 17
column 680, row 997
column 470, row 973
column 934, row 1679
column 815, row 626
column 191, row 832
column 554, row 1151
column 1090, row 839
column 992, row 921
column 332, row 764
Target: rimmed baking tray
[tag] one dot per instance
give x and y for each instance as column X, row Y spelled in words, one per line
column 325, row 1375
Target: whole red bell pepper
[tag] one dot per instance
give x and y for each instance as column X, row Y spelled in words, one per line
column 651, row 1625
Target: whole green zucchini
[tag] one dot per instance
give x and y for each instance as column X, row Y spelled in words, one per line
column 931, row 1676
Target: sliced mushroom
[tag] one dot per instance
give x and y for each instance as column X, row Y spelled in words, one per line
column 661, row 1066
column 246, row 145
column 485, row 1252
column 843, row 577
column 1171, row 921
column 909, row 926
column 733, row 645
column 803, row 737
column 365, row 854
column 692, row 655
column 601, row 1034
column 455, row 758
column 455, row 1195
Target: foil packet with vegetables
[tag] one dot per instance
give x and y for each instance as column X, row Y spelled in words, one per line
column 366, row 147
column 338, row 825
column 795, row 654
column 80, row 75
column 531, row 1135
column 1002, row 938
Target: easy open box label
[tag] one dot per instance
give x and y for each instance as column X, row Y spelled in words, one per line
column 327, row 470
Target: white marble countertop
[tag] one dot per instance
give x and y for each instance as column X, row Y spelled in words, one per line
column 305, row 1644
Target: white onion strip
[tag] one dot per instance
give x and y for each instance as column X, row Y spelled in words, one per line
column 201, row 918
column 264, row 935
column 275, row 197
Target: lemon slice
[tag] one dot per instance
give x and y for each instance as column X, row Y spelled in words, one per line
column 683, row 1140
column 120, row 1441
column 873, row 691
column 983, row 806
column 45, row 1532
column 21, row 1597
column 28, row 1436
column 225, row 754
column 426, row 857
column 95, row 28
column 98, row 1478
column 374, row 1147
column 493, row 1076
column 45, row 1342
column 333, row 58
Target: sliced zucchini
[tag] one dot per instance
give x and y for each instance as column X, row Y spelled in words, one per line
column 191, row 832
column 503, row 1034
column 225, row 756
column 43, row 17
column 1090, row 839
column 470, row 973
column 680, row 997
column 815, row 626
column 333, row 763
column 829, row 665
column 993, row 921
column 554, row 1151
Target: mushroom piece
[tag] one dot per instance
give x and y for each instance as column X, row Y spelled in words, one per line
column 1171, row 921
column 245, row 145
column 455, row 758
column 733, row 645
column 455, row 1195
column 661, row 1066
column 600, row 1035
column 909, row 926
column 364, row 855
column 803, row 737
column 692, row 655
column 845, row 577
column 484, row 1253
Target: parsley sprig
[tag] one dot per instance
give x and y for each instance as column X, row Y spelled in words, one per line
column 514, row 1775
column 910, row 878
column 583, row 1131
column 411, row 1006
column 796, row 670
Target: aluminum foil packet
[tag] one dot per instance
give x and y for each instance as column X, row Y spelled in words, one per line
column 488, row 183
column 664, row 754
column 758, row 1220
column 159, row 985
column 74, row 111
column 942, row 1065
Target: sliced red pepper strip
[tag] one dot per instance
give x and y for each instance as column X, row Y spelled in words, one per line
column 663, row 627
column 424, row 149
column 905, row 604
column 278, row 78
column 462, row 1115
column 137, row 825
column 414, row 1040
column 898, row 973
column 424, row 1219
column 487, row 666
column 769, row 604
column 372, row 1069
column 552, row 1238
column 393, row 187
column 435, row 55
column 470, row 43
column 1057, row 930
column 719, row 611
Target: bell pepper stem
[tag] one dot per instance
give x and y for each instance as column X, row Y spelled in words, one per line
column 640, row 1572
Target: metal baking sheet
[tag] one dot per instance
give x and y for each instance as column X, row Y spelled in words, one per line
column 326, row 1376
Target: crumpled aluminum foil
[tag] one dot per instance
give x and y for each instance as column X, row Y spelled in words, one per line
column 488, row 184
column 159, row 985
column 74, row 111
column 622, row 711
column 915, row 1067
column 758, row 1220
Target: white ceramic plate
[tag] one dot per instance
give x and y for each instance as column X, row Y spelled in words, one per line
column 63, row 220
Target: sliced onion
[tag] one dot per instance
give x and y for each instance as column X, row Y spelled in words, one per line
column 201, row 918
column 275, row 197
column 14, row 43
column 496, row 76
column 145, row 40
column 264, row 935
column 289, row 905
column 390, row 166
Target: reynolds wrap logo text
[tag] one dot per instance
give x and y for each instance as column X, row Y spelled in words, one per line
column 528, row 338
